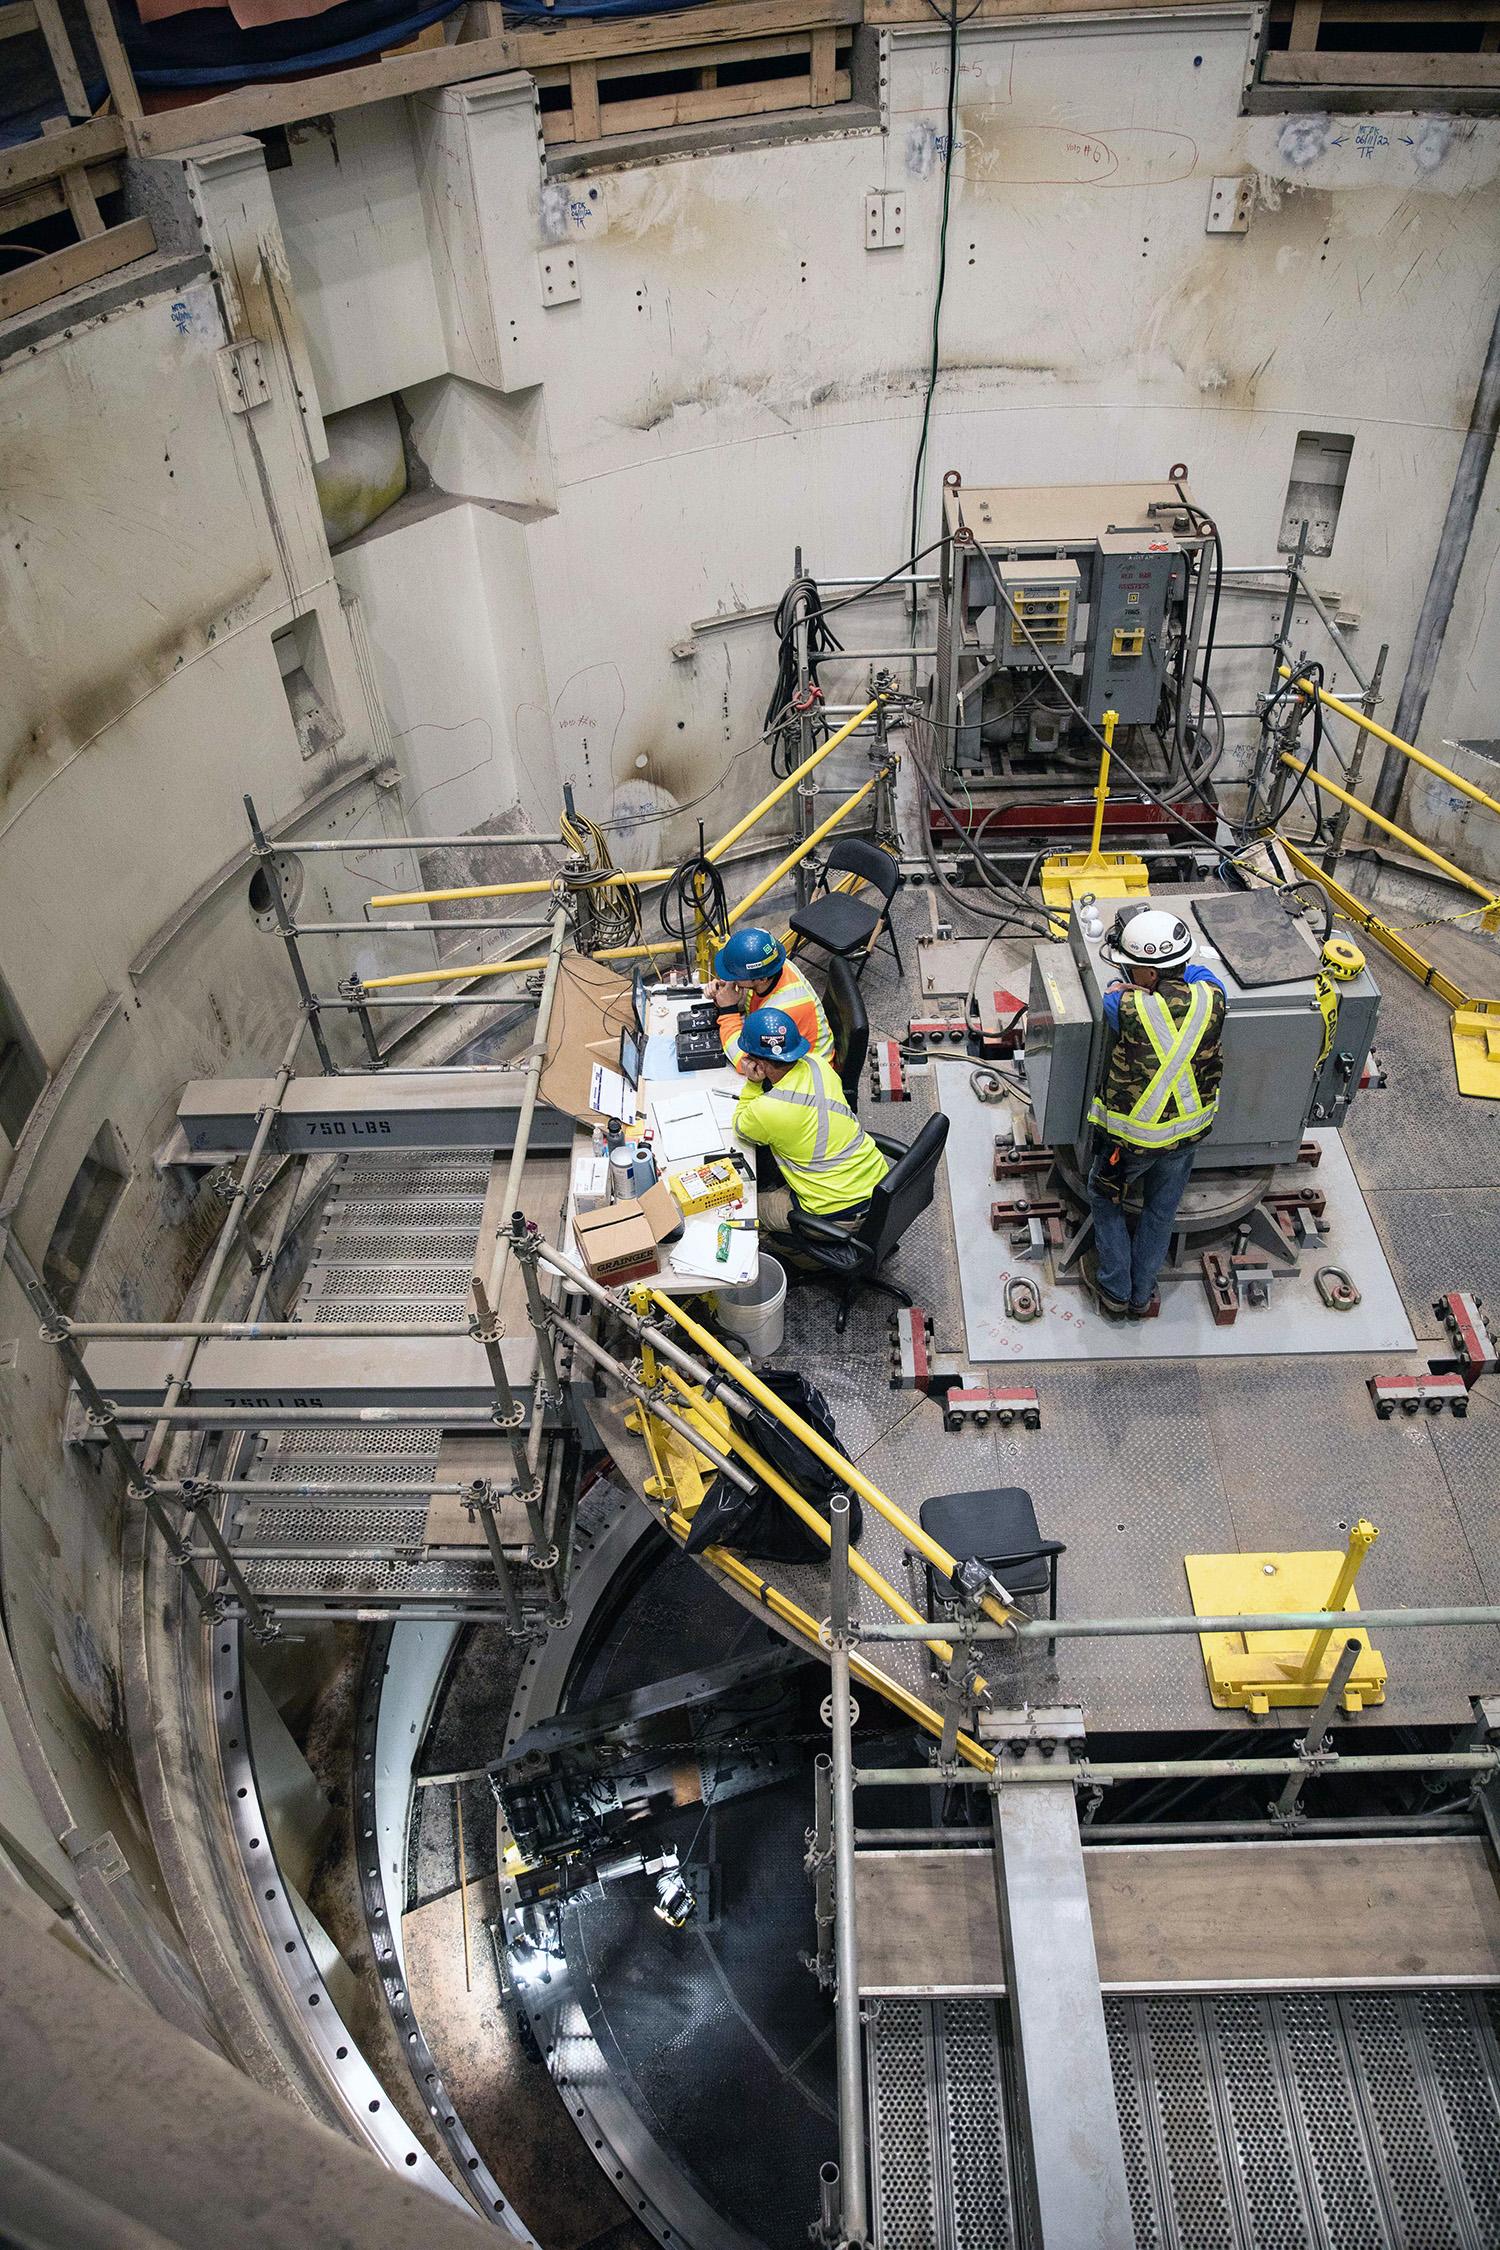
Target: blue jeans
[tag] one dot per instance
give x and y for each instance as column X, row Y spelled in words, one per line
column 1130, row 1262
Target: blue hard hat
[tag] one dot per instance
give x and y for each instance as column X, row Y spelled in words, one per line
column 771, row 1035
column 748, row 956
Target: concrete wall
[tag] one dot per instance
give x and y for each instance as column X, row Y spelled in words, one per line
column 740, row 374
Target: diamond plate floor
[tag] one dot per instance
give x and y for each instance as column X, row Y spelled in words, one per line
column 1136, row 1466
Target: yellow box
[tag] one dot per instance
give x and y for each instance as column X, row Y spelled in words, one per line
column 700, row 1187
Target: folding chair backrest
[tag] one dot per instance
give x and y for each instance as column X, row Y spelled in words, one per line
column 849, row 1021
column 868, row 861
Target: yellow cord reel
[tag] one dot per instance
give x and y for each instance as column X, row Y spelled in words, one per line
column 1342, row 959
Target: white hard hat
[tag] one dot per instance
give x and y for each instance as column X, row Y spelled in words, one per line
column 1151, row 939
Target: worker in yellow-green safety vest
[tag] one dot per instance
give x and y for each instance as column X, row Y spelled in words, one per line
column 793, row 1105
column 1159, row 1098
column 753, row 972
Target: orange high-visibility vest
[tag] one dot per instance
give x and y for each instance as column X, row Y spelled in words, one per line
column 797, row 998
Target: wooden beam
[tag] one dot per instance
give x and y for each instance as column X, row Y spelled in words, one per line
column 706, row 54
column 1307, row 22
column 64, row 62
column 117, row 71
column 1398, row 11
column 68, row 269
column 693, row 107
column 643, row 35
column 16, row 19
column 45, row 200
column 583, row 79
column 1332, row 67
column 1004, row 11
column 53, row 153
column 823, row 67
column 250, row 109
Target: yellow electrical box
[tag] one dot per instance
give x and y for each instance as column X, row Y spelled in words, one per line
column 1128, row 640
column 702, row 1186
column 1249, row 1671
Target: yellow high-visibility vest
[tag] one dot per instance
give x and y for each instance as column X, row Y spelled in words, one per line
column 1169, row 1110
column 826, row 1157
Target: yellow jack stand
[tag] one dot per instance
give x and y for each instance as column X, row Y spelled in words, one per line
column 1476, row 1047
column 1068, row 876
column 1254, row 1671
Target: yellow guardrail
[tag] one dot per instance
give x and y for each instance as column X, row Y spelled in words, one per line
column 747, row 1381
column 1490, row 917
column 644, row 951
column 1409, row 750
column 795, row 1618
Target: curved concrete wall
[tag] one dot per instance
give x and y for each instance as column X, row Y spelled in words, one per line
column 601, row 487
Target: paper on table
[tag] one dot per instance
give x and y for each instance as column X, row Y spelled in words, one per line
column 696, row 1253
column 686, row 1127
column 609, row 1095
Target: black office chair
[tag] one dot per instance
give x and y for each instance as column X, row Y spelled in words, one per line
column 844, row 1006
column 848, row 1262
column 842, row 923
column 999, row 1529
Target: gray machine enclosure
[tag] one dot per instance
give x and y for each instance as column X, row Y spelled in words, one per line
column 1273, row 1085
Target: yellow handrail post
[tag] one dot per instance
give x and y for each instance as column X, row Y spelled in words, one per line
column 1101, row 787
column 1361, row 1539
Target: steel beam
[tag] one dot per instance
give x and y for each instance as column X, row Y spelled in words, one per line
column 361, row 1113
column 1075, row 2178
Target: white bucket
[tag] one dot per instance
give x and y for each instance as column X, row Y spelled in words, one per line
column 755, row 1311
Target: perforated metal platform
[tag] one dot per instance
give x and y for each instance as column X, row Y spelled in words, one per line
column 1293, row 2121
column 396, row 1241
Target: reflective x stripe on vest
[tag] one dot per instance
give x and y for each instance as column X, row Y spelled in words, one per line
column 1170, row 1109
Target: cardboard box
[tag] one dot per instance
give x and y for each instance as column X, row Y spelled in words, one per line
column 620, row 1242
column 590, row 1183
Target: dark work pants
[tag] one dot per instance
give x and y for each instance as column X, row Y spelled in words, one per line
column 1130, row 1260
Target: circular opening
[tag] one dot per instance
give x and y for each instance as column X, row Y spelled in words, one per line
column 262, row 898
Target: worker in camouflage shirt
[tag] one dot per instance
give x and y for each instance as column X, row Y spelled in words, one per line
column 1158, row 1101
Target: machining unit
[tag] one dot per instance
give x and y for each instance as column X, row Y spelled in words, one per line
column 1297, row 1037
column 1096, row 593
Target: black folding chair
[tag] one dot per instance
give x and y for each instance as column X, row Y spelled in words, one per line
column 999, row 1529
column 840, row 922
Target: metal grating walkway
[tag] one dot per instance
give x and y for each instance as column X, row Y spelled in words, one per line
column 396, row 1241
column 1276, row 2121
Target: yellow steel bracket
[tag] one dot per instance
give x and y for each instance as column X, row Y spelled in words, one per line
column 1258, row 1672
column 1068, row 876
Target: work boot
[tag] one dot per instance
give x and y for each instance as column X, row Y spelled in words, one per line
column 1147, row 1311
column 1111, row 1307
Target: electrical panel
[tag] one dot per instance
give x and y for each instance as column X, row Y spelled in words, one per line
column 1041, row 625
column 1060, row 1032
column 1126, row 657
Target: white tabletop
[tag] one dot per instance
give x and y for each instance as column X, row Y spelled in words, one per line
column 690, row 1266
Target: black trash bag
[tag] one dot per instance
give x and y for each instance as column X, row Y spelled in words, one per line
column 760, row 1523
